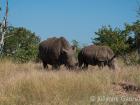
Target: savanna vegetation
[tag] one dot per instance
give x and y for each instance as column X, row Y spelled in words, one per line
column 25, row 82
column 30, row 84
column 21, row 45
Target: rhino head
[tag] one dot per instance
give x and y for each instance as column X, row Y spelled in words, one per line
column 71, row 61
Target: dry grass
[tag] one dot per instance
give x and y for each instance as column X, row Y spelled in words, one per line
column 29, row 84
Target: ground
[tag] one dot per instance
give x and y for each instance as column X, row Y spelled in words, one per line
column 30, row 84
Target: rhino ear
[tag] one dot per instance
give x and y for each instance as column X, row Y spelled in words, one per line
column 65, row 50
column 74, row 48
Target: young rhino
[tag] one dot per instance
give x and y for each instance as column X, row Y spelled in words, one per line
column 96, row 55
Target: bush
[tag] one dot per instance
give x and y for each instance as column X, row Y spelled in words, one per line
column 116, row 39
column 131, row 58
column 21, row 44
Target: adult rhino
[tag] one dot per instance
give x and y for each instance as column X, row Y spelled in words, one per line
column 57, row 51
column 96, row 55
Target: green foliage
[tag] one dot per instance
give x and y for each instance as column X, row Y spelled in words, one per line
column 135, row 29
column 76, row 44
column 21, row 44
column 132, row 58
column 115, row 38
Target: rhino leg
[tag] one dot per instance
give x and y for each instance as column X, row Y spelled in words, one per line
column 85, row 66
column 80, row 64
column 45, row 65
column 101, row 64
column 80, row 61
column 55, row 67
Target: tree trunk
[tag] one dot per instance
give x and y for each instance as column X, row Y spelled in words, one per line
column 2, row 31
column 3, row 28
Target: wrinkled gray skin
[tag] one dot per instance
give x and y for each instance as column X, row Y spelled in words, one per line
column 96, row 55
column 57, row 51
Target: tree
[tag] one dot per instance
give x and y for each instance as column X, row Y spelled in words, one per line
column 115, row 38
column 135, row 28
column 21, row 44
column 76, row 44
column 3, row 27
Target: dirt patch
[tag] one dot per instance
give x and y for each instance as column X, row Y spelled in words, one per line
column 127, row 86
column 126, row 89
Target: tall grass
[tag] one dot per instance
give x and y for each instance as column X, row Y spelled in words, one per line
column 30, row 84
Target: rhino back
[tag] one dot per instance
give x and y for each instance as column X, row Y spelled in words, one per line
column 104, row 53
column 100, row 53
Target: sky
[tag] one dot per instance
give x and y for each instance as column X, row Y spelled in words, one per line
column 73, row 19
